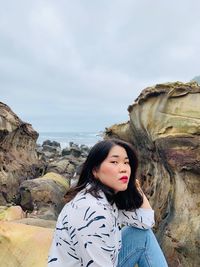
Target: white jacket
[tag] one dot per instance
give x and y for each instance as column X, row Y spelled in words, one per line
column 88, row 232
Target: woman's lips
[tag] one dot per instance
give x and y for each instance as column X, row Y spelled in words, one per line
column 124, row 179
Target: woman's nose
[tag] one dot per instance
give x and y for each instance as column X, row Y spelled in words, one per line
column 123, row 168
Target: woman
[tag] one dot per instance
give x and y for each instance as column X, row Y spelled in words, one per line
column 88, row 231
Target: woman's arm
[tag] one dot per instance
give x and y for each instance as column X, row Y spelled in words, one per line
column 142, row 218
column 145, row 204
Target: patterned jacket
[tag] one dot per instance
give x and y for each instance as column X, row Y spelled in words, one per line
column 88, row 232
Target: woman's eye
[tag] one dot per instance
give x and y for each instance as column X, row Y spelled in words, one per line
column 127, row 162
column 114, row 162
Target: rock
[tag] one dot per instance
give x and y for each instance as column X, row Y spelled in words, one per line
column 24, row 199
column 49, row 155
column 76, row 152
column 59, row 165
column 11, row 213
column 47, row 194
column 66, row 151
column 74, row 179
column 62, row 166
column 16, row 214
column 73, row 150
column 71, row 170
column 121, row 131
column 50, row 149
column 164, row 127
column 51, row 143
column 24, row 245
column 84, row 149
column 47, row 142
column 37, row 222
column 18, row 157
column 72, row 144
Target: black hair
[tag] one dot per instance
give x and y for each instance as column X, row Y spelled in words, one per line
column 129, row 199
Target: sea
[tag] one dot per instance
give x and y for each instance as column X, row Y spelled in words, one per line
column 79, row 138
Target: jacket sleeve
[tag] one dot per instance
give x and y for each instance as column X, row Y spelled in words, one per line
column 94, row 237
column 140, row 218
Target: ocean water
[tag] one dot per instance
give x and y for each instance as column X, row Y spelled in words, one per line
column 79, row 138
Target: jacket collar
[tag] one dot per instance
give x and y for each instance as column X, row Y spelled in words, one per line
column 102, row 200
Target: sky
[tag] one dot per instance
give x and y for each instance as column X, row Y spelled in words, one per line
column 76, row 65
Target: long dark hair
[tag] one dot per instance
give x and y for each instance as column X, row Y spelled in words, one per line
column 129, row 199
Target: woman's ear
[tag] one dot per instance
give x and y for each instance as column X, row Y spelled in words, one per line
column 94, row 172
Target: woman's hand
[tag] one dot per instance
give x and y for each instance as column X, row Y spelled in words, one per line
column 145, row 204
column 137, row 183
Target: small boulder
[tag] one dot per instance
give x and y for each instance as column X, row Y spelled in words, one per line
column 47, row 194
column 66, row 151
column 11, row 213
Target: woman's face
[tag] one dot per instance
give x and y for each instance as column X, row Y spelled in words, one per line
column 115, row 170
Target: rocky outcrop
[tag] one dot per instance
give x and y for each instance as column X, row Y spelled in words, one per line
column 34, row 179
column 24, row 245
column 66, row 161
column 18, row 157
column 51, row 149
column 120, row 130
column 44, row 195
column 11, row 213
column 21, row 241
column 17, row 215
column 164, row 127
column 37, row 222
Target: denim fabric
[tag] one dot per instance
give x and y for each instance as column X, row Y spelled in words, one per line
column 140, row 247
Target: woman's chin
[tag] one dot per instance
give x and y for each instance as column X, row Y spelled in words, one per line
column 121, row 189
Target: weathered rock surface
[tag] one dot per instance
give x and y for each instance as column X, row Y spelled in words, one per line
column 37, row 222
column 165, row 130
column 61, row 166
column 11, row 213
column 24, row 245
column 36, row 178
column 18, row 157
column 51, row 149
column 45, row 194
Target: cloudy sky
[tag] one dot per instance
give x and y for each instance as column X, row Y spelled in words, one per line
column 76, row 65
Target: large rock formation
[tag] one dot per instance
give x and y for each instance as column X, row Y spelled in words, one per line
column 164, row 127
column 18, row 157
column 36, row 180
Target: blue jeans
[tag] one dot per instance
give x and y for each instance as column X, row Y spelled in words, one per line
column 140, row 247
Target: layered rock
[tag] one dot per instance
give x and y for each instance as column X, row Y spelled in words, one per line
column 164, row 127
column 18, row 157
column 37, row 222
column 17, row 215
column 44, row 195
column 36, row 179
column 11, row 213
column 24, row 245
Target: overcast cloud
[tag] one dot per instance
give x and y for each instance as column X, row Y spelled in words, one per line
column 77, row 65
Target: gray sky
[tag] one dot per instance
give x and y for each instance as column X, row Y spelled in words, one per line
column 77, row 65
